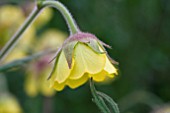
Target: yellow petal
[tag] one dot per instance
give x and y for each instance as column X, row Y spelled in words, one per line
column 109, row 68
column 58, row 86
column 76, row 83
column 86, row 60
column 99, row 76
column 62, row 70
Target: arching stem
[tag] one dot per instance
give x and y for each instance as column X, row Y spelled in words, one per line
column 40, row 5
column 65, row 12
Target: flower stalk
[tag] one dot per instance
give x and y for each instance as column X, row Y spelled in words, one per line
column 65, row 12
column 40, row 5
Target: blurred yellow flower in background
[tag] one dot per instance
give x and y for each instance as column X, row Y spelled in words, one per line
column 11, row 17
column 81, row 57
column 9, row 104
column 36, row 77
column 43, row 17
column 38, row 71
column 51, row 38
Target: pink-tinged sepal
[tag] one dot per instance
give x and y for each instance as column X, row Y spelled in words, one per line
column 81, row 37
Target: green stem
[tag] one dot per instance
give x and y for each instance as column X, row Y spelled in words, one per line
column 12, row 42
column 40, row 5
column 65, row 12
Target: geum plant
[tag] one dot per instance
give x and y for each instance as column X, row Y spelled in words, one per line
column 82, row 56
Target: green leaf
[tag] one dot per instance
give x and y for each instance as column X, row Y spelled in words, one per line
column 112, row 103
column 21, row 62
column 98, row 100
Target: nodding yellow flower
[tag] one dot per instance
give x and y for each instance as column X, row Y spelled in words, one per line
column 82, row 56
column 9, row 104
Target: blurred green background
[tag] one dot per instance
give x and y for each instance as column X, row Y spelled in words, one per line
column 139, row 33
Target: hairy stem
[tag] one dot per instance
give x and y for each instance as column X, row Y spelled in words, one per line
column 66, row 14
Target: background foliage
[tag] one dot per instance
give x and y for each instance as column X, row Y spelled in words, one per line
column 138, row 31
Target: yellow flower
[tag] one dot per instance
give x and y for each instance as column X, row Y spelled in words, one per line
column 36, row 78
column 8, row 28
column 10, row 15
column 44, row 17
column 38, row 71
column 9, row 104
column 8, row 24
column 81, row 57
column 50, row 39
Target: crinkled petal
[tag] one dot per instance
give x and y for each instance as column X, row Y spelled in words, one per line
column 58, row 86
column 76, row 83
column 109, row 71
column 86, row 60
column 99, row 76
